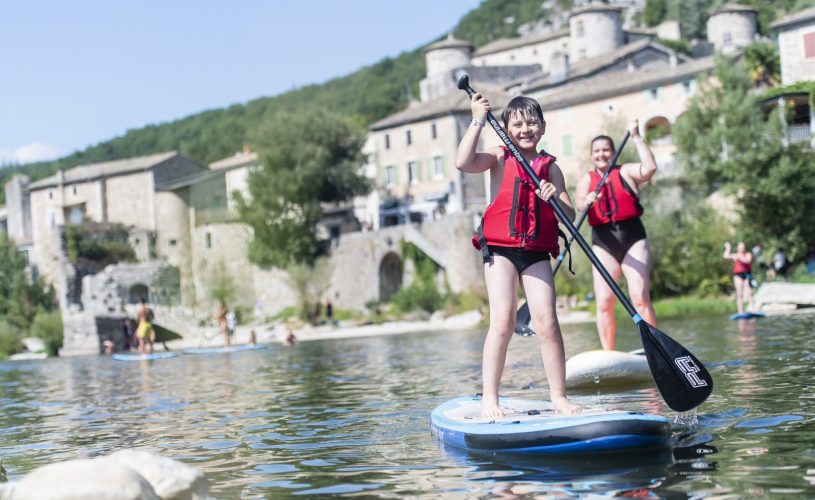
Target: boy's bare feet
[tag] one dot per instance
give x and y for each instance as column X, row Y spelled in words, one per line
column 491, row 410
column 564, row 406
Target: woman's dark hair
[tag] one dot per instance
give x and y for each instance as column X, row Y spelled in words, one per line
column 604, row 138
column 524, row 106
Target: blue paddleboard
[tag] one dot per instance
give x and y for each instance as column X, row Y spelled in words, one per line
column 140, row 357
column 223, row 349
column 748, row 315
column 533, row 427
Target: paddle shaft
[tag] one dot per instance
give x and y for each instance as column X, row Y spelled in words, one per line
column 588, row 207
column 463, row 84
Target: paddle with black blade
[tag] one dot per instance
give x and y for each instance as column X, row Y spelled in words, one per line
column 522, row 317
column 683, row 380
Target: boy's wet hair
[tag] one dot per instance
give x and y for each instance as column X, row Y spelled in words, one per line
column 604, row 138
column 524, row 106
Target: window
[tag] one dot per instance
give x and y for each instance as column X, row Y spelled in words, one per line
column 50, row 195
column 73, row 190
column 438, row 167
column 209, row 239
column 567, row 145
column 408, row 138
column 727, row 39
column 688, row 87
column 387, row 141
column 652, row 94
column 390, row 175
column 809, row 45
column 433, row 133
column 578, row 27
column 413, row 172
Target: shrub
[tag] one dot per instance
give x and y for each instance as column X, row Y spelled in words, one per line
column 48, row 327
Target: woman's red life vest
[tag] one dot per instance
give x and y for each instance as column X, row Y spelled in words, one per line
column 617, row 201
column 739, row 266
column 518, row 217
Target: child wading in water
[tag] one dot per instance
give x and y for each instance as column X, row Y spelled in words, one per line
column 516, row 238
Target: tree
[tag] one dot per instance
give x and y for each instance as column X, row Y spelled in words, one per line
column 654, row 12
column 20, row 297
column 725, row 141
column 764, row 63
column 308, row 157
column 309, row 283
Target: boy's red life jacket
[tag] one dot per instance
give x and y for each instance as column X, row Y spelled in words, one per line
column 740, row 266
column 617, row 201
column 517, row 217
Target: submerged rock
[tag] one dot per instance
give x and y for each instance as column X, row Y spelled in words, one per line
column 124, row 475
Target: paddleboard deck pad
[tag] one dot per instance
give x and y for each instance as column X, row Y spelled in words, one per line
column 140, row 357
column 607, row 368
column 533, row 427
column 223, row 349
column 748, row 315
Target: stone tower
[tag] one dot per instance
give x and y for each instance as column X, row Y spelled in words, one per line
column 442, row 59
column 731, row 26
column 594, row 29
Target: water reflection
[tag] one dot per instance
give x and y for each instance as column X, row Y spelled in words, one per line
column 350, row 416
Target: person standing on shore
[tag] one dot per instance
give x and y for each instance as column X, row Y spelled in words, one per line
column 618, row 235
column 742, row 268
column 220, row 318
column 517, row 238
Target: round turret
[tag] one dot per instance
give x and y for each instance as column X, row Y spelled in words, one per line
column 447, row 55
column 594, row 30
column 731, row 26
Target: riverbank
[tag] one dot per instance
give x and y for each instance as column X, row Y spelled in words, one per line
column 275, row 332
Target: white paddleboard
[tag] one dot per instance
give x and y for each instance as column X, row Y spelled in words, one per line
column 607, row 368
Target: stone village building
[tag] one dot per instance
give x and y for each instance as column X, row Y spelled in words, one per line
column 183, row 222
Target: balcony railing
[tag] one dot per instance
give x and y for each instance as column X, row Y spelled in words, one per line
column 799, row 133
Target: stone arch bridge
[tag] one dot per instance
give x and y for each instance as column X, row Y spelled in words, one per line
column 369, row 266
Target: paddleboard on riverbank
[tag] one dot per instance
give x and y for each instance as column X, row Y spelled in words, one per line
column 601, row 368
column 532, row 427
column 141, row 357
column 223, row 349
column 748, row 315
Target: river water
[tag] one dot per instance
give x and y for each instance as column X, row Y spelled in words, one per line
column 350, row 416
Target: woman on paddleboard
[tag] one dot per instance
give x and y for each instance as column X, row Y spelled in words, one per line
column 742, row 268
column 618, row 236
column 517, row 238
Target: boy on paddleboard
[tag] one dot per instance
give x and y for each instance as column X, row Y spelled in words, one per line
column 517, row 238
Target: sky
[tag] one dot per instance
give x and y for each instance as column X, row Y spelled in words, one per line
column 79, row 72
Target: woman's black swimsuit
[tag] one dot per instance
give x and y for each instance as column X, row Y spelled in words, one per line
column 519, row 257
column 617, row 238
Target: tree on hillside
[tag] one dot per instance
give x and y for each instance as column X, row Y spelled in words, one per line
column 654, row 12
column 725, row 141
column 309, row 157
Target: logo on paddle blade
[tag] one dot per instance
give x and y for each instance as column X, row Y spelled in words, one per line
column 690, row 369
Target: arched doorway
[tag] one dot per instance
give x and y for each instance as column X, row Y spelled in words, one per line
column 138, row 292
column 658, row 130
column 390, row 276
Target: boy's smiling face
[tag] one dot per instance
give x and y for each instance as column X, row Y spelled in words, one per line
column 525, row 130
